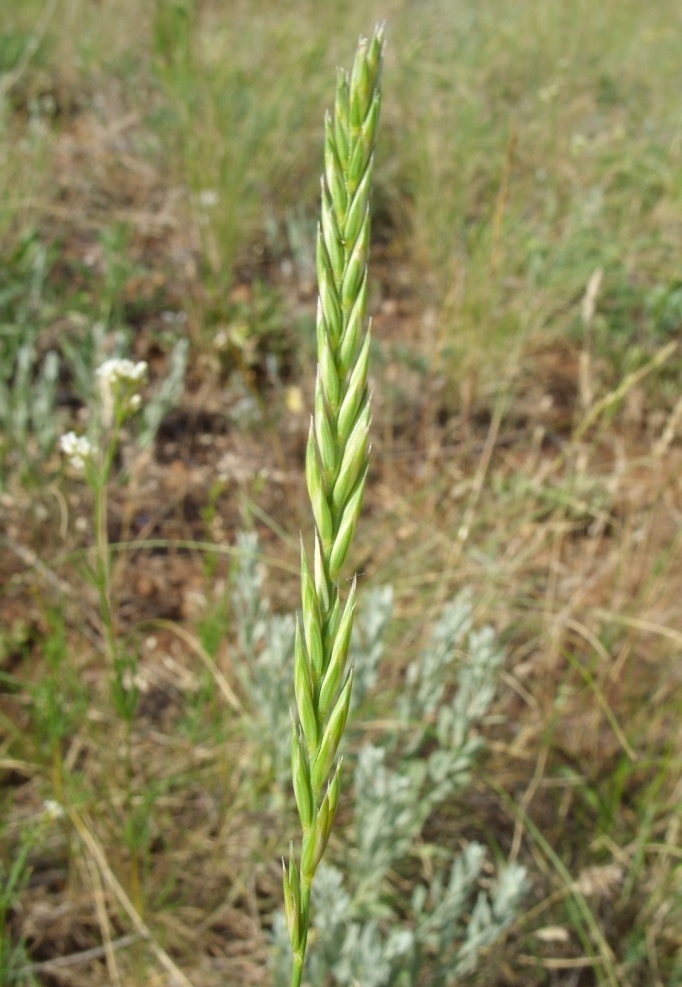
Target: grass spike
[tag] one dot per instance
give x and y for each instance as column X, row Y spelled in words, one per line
column 336, row 467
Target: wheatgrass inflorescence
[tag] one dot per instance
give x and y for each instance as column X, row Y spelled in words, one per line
column 336, row 468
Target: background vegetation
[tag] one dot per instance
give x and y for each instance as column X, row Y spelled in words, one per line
column 159, row 184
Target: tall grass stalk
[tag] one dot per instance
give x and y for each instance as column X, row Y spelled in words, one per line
column 336, row 469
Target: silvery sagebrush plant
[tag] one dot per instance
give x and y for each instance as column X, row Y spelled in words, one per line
column 368, row 640
column 393, row 803
column 336, row 468
column 28, row 382
column 28, row 400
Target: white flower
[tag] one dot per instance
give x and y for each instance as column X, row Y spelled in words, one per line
column 53, row 810
column 76, row 448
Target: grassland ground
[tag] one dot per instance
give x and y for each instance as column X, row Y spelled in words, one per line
column 526, row 443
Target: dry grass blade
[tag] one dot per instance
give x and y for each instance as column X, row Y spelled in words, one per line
column 97, row 853
column 196, row 647
column 616, row 396
column 85, row 956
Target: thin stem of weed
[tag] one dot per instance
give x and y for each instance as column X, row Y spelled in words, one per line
column 102, row 570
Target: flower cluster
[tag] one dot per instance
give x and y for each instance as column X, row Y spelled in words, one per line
column 120, row 381
column 115, row 371
column 77, row 449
